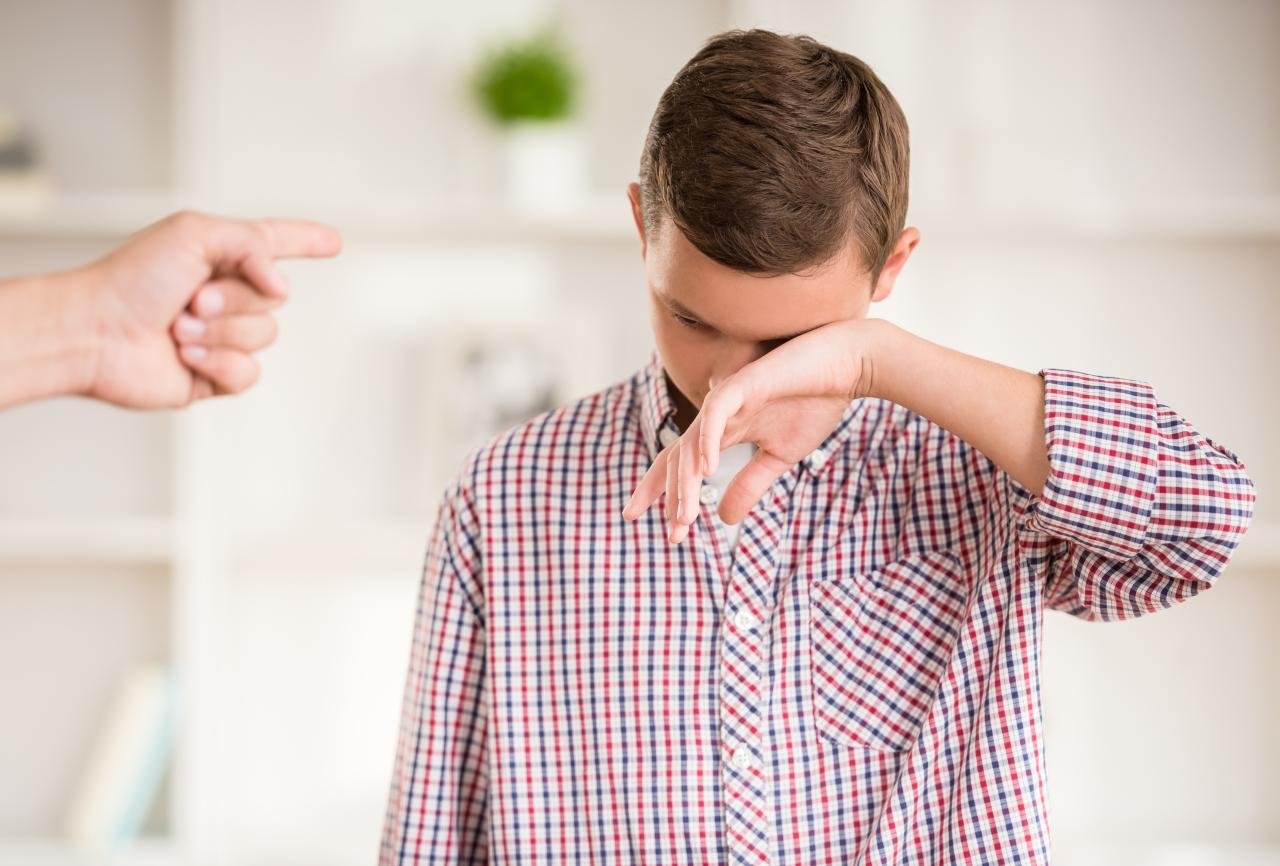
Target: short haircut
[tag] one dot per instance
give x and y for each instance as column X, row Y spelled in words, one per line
column 770, row 152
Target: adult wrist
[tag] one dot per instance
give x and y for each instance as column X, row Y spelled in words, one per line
column 75, row 334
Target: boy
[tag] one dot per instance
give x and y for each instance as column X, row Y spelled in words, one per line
column 833, row 658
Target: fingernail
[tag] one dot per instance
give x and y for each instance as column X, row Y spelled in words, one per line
column 283, row 281
column 190, row 327
column 195, row 353
column 212, row 302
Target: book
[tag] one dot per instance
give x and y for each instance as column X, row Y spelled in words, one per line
column 127, row 763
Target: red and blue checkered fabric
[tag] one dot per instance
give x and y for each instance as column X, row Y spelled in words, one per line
column 856, row 682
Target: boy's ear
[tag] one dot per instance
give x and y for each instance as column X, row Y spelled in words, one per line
column 893, row 265
column 633, row 195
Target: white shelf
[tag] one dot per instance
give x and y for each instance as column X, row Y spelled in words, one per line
column 388, row 548
column 371, row 547
column 115, row 216
column 1103, row 854
column 56, row 852
column 137, row 540
column 99, row 216
column 1228, row 219
column 607, row 219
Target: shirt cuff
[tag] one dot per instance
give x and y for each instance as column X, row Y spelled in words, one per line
column 1103, row 446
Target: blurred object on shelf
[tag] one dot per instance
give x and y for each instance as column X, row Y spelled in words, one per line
column 129, row 760
column 483, row 377
column 22, row 181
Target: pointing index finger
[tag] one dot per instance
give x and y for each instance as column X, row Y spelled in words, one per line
column 290, row 238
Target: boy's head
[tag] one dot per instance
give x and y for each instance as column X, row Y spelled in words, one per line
column 772, row 201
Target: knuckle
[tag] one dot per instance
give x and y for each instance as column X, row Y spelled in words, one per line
column 261, row 234
column 185, row 220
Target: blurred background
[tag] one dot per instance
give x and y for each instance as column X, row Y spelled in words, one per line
column 205, row 616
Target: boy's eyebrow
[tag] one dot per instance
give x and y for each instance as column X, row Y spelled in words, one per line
column 681, row 310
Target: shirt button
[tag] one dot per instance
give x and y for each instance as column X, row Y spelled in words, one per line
column 666, row 436
column 742, row 758
column 709, row 495
column 817, row 457
column 745, row 620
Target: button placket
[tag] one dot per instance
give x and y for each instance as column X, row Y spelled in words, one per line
column 744, row 687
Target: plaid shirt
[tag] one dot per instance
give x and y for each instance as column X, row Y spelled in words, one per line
column 856, row 682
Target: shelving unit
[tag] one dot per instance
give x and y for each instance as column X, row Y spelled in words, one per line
column 603, row 219
column 137, row 540
column 145, row 853
column 115, row 216
column 383, row 546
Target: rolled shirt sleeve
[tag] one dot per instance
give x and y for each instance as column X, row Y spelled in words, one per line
column 1149, row 508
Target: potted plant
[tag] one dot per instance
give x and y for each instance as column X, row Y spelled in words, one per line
column 529, row 89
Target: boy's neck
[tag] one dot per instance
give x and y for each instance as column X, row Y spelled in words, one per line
column 685, row 410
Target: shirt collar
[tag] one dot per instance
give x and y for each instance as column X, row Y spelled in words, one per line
column 658, row 410
column 658, row 424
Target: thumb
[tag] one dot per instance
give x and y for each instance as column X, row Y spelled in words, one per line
column 750, row 485
column 252, row 246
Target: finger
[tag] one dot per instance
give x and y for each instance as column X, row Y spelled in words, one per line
column 287, row 239
column 229, row 295
column 749, row 485
column 649, row 488
column 229, row 371
column 690, row 478
column 241, row 248
column 672, row 492
column 260, row 270
column 688, row 481
column 242, row 333
column 719, row 406
column 301, row 239
column 201, row 388
column 250, row 247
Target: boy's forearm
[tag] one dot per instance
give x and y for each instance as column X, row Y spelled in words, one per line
column 997, row 409
column 45, row 340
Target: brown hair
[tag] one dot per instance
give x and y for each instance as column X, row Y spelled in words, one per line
column 769, row 151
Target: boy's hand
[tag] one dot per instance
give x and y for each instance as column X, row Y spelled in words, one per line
column 786, row 402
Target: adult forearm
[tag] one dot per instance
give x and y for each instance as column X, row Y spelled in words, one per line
column 45, row 338
column 997, row 409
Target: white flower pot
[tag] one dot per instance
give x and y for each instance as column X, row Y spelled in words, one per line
column 545, row 166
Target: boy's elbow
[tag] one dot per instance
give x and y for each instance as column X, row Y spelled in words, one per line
column 1239, row 502
column 1229, row 522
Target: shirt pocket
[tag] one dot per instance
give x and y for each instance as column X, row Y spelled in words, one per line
column 879, row 643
